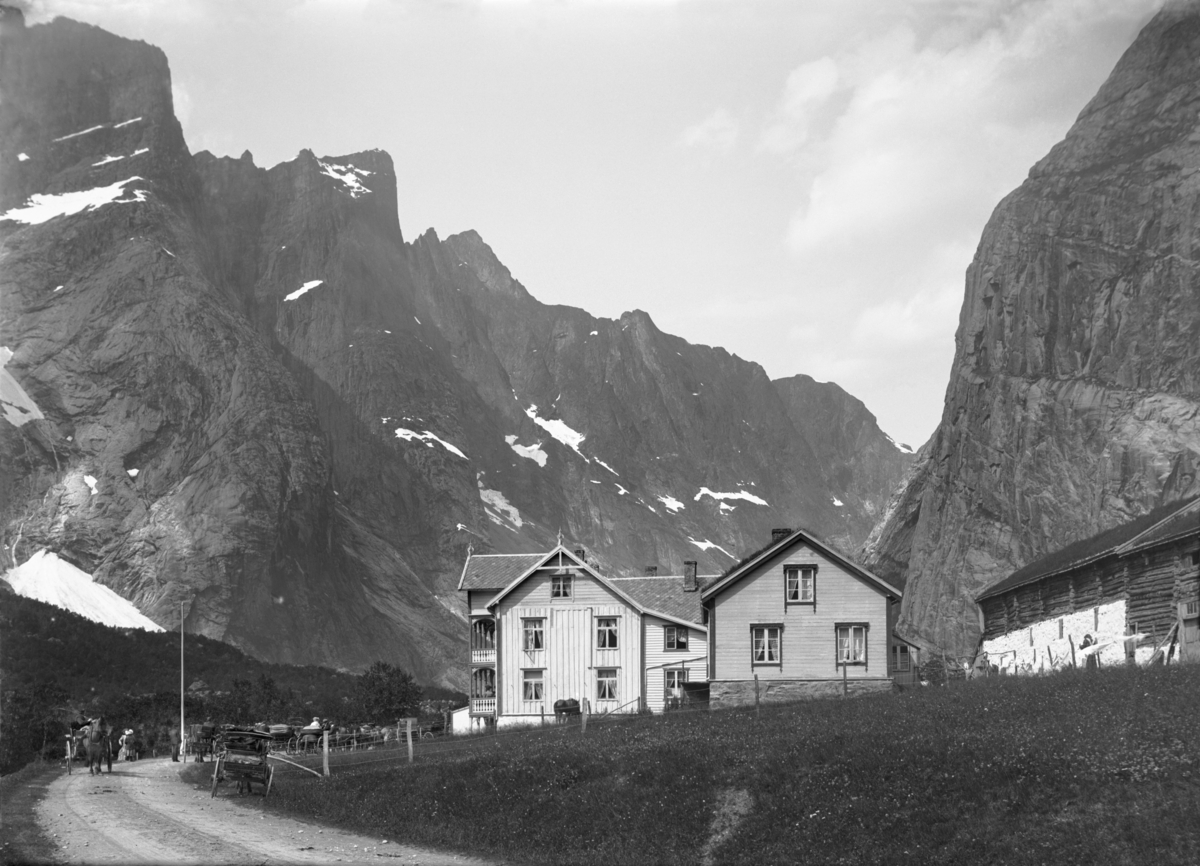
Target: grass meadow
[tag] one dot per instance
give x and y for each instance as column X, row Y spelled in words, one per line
column 1095, row 767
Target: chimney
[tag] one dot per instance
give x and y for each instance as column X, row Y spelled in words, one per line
column 780, row 534
column 691, row 583
column 651, row 571
column 581, row 554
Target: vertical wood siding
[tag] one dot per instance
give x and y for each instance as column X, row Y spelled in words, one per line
column 570, row 658
column 808, row 646
column 657, row 657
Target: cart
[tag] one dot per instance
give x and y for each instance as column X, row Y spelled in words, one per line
column 243, row 756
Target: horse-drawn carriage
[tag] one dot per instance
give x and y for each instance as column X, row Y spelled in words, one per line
column 242, row 755
column 202, row 740
column 91, row 742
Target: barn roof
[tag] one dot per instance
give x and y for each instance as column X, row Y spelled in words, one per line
column 665, row 595
column 1163, row 524
column 496, row 570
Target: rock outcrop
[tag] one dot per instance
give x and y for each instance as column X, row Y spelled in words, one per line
column 1074, row 398
column 263, row 405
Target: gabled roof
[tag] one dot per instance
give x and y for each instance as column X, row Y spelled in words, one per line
column 775, row 548
column 496, row 570
column 1161, row 525
column 664, row 596
column 575, row 562
column 480, row 572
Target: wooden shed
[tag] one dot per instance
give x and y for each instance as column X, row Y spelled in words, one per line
column 1131, row 593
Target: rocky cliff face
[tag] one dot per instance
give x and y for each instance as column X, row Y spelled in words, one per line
column 262, row 404
column 1074, row 399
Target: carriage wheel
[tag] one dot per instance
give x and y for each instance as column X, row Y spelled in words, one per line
column 216, row 778
column 270, row 779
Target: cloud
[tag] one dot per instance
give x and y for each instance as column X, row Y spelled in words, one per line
column 807, row 88
column 717, row 133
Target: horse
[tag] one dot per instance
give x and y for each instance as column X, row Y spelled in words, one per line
column 98, row 748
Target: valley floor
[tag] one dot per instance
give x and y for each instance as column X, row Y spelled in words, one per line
column 144, row 813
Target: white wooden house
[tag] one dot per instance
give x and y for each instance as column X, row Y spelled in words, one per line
column 800, row 619
column 547, row 627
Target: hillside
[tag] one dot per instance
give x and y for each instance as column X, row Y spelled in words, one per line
column 295, row 421
column 1074, row 397
column 1073, row 768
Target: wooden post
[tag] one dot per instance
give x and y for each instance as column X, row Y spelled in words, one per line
column 583, row 714
column 756, row 696
column 398, row 737
column 845, row 683
column 408, row 734
column 1071, row 641
column 325, row 752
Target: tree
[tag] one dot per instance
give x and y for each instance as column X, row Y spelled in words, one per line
column 387, row 693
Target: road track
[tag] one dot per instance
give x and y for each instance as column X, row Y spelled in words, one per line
column 143, row 812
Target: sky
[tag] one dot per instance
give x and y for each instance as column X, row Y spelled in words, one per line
column 801, row 182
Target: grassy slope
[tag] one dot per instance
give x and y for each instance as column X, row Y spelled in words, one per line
column 1071, row 768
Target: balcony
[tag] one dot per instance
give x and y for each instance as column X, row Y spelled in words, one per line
column 483, row 656
column 483, row 706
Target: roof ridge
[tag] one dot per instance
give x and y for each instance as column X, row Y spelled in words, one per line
column 1185, row 506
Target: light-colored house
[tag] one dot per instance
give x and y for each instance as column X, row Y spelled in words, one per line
column 800, row 619
column 1125, row 594
column 548, row 627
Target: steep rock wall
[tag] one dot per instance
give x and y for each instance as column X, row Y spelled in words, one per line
column 1074, row 397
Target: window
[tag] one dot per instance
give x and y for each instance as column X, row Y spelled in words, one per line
column 535, row 634
column 606, row 684
column 606, row 632
column 676, row 637
column 675, row 678
column 801, row 584
column 901, row 660
column 764, row 644
column 851, row 644
column 532, row 686
column 560, row 586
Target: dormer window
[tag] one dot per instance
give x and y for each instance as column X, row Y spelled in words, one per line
column 800, row 584
column 560, row 586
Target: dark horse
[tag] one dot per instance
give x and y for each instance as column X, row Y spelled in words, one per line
column 98, row 747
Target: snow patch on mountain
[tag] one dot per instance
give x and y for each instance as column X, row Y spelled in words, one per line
column 529, row 452
column 837, row 502
column 709, row 545
column 741, row 494
column 348, row 175
column 16, row 406
column 428, row 438
column 127, row 122
column 672, row 504
column 90, row 481
column 559, row 430
column 498, row 509
column 81, row 132
column 42, row 208
column 311, row 284
column 47, row 578
column 606, row 466
column 22, row 157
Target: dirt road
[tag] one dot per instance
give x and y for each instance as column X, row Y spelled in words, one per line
column 143, row 813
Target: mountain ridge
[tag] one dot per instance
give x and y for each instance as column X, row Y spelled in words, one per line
column 297, row 421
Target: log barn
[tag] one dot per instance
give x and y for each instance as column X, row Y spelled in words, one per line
column 1128, row 594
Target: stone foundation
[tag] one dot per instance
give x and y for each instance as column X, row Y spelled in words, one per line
column 740, row 693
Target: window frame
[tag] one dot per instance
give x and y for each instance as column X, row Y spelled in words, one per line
column 837, row 646
column 526, row 630
column 601, row 679
column 667, row 672
column 613, row 632
column 526, row 681
column 562, row 586
column 766, row 628
column 900, row 650
column 676, row 631
column 798, row 570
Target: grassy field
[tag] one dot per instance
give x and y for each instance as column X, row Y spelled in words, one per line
column 1080, row 767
